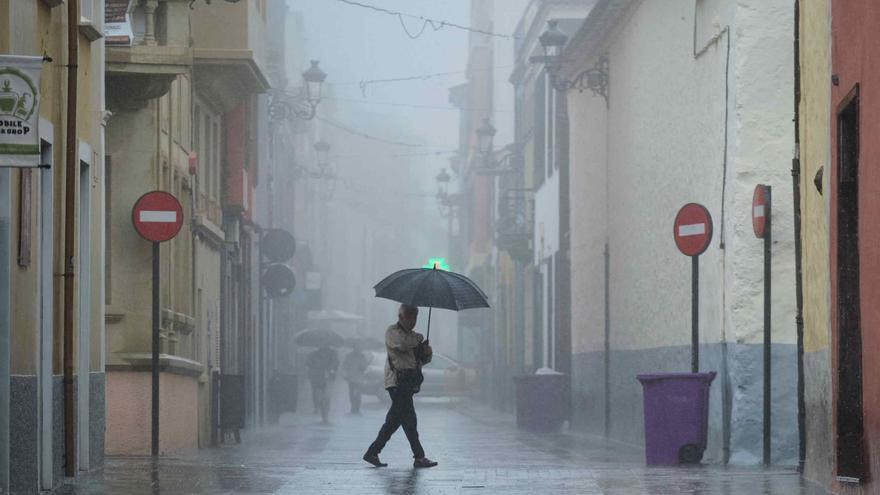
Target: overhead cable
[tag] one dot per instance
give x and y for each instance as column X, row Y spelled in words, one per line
column 416, row 105
column 398, row 155
column 364, row 84
column 364, row 135
column 435, row 24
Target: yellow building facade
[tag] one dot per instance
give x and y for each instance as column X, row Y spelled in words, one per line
column 177, row 90
column 34, row 450
column 814, row 109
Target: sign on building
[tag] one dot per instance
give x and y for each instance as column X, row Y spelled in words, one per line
column 117, row 22
column 20, row 111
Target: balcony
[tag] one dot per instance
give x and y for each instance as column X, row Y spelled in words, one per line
column 229, row 50
column 147, row 48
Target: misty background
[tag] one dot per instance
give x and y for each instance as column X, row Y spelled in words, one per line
column 389, row 141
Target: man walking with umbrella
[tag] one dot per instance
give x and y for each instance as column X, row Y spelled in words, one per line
column 407, row 351
column 431, row 287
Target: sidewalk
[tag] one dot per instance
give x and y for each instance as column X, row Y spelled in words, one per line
column 480, row 452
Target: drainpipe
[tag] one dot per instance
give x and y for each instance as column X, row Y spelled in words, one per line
column 798, row 248
column 71, row 175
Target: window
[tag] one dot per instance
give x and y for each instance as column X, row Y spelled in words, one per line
column 540, row 121
column 209, row 157
column 196, row 144
column 86, row 11
column 206, row 142
column 108, row 224
column 87, row 24
column 215, row 151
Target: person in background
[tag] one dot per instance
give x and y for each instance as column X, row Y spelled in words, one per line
column 353, row 367
column 322, row 364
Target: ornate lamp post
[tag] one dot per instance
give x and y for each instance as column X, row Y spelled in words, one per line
column 508, row 162
column 314, row 78
column 485, row 138
column 595, row 78
column 322, row 152
column 303, row 104
column 445, row 201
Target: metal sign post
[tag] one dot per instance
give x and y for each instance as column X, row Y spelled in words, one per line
column 761, row 224
column 692, row 232
column 154, row 363
column 157, row 216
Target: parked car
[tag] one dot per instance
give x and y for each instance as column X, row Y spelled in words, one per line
column 444, row 377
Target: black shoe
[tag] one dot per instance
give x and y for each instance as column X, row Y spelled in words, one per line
column 374, row 460
column 424, row 462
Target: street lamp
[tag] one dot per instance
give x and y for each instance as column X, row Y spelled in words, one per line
column 485, row 137
column 595, row 78
column 303, row 104
column 443, row 179
column 552, row 41
column 322, row 151
column 314, row 78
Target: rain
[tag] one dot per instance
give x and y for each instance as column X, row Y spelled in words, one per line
column 600, row 247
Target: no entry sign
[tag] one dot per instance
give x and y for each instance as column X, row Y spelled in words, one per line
column 693, row 229
column 760, row 210
column 157, row 216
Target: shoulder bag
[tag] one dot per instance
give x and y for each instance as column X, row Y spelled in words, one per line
column 408, row 379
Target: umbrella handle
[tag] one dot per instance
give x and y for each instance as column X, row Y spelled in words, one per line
column 428, row 333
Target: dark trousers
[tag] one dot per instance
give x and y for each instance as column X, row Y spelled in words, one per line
column 354, row 396
column 401, row 413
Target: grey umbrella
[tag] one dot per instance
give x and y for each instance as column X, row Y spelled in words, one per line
column 432, row 288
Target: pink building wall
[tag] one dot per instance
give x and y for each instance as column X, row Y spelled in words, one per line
column 128, row 413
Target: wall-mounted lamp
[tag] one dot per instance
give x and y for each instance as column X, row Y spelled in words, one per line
column 595, row 78
column 304, row 103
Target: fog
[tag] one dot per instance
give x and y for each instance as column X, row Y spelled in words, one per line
column 390, row 139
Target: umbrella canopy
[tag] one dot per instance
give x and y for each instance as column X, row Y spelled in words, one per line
column 314, row 337
column 432, row 288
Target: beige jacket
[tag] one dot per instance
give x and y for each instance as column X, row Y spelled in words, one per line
column 400, row 345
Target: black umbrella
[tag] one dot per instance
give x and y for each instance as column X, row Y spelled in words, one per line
column 316, row 337
column 432, row 288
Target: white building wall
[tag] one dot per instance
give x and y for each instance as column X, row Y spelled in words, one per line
column 672, row 108
column 547, row 219
column 589, row 214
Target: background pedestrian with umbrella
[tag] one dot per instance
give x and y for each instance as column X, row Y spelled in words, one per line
column 408, row 350
column 322, row 364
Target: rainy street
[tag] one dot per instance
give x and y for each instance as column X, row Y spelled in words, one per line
column 593, row 247
column 479, row 451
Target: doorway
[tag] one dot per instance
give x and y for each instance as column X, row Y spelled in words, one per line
column 850, row 422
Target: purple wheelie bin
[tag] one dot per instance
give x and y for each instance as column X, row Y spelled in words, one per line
column 541, row 401
column 676, row 416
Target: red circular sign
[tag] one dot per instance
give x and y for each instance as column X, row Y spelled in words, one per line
column 693, row 229
column 760, row 209
column 157, row 216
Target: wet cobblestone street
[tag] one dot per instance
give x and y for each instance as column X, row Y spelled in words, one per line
column 479, row 452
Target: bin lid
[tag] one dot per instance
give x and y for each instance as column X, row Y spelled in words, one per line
column 650, row 377
column 547, row 371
